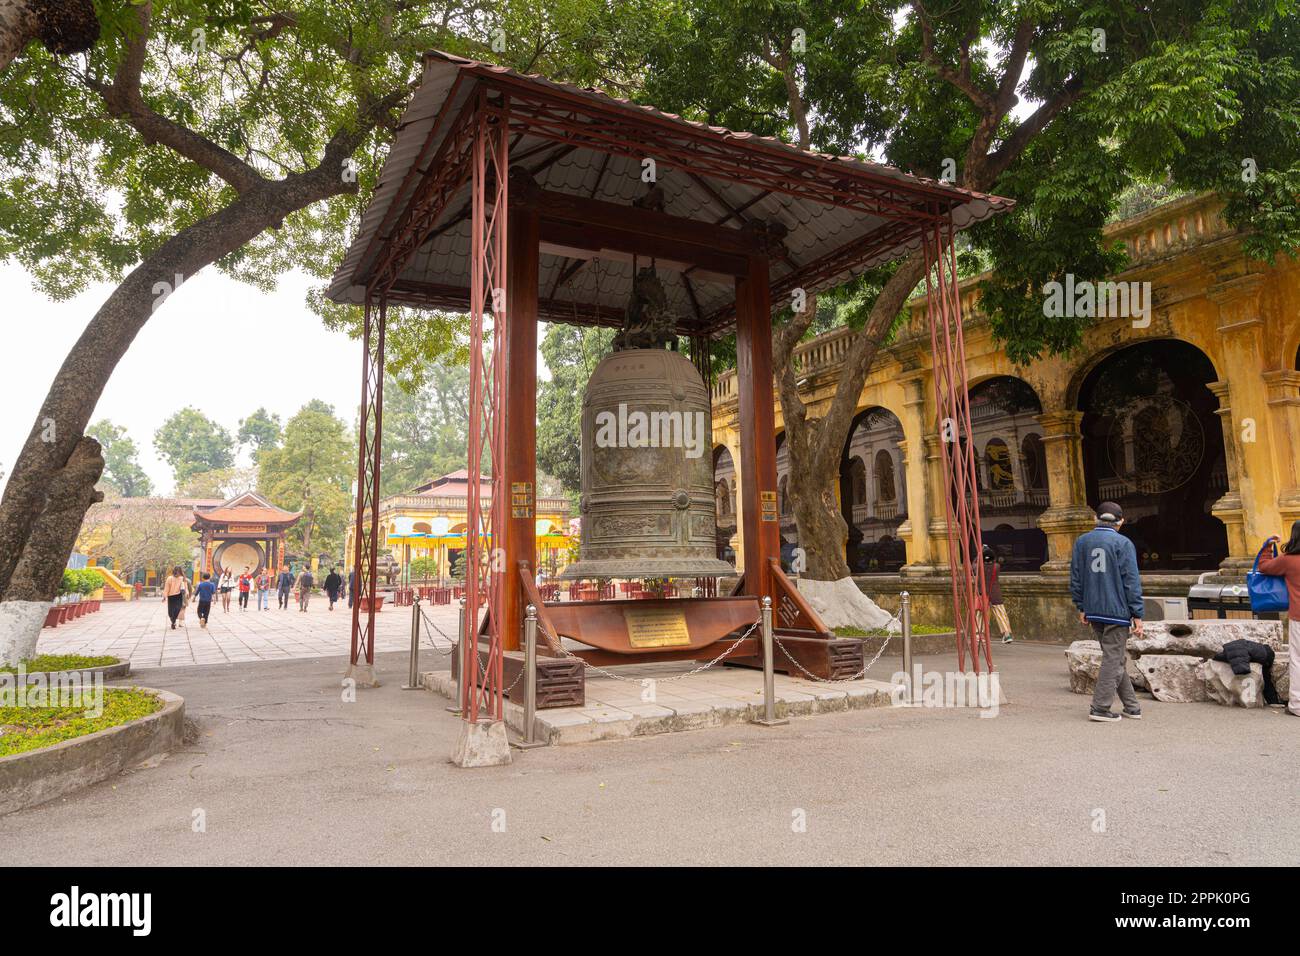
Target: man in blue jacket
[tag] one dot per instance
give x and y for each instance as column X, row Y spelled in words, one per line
column 1105, row 587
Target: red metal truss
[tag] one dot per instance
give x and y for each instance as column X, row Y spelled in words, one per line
column 481, row 689
column 366, row 530
column 952, row 403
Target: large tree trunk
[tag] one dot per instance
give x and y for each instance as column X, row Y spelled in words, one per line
column 816, row 445
column 64, row 26
column 53, row 480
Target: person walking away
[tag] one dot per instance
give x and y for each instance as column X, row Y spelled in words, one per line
column 352, row 585
column 174, row 594
column 1287, row 565
column 333, row 581
column 305, row 583
column 186, row 592
column 244, row 584
column 1107, row 591
column 997, row 610
column 227, row 583
column 204, row 592
column 283, row 584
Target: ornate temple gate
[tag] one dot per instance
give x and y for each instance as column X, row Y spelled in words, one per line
column 481, row 130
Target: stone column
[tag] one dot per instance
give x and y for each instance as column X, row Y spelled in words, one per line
column 1229, row 508
column 915, row 530
column 1247, row 510
column 1067, row 515
column 1284, row 418
column 936, row 491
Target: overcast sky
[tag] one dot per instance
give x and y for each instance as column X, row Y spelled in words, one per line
column 216, row 344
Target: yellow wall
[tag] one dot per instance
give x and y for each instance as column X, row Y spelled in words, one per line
column 1244, row 315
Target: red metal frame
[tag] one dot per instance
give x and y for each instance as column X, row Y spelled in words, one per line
column 952, row 409
column 371, row 428
column 485, row 572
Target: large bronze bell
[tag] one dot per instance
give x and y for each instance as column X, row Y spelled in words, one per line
column 647, row 456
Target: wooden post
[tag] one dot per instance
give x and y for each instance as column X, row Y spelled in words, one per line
column 519, row 470
column 759, row 519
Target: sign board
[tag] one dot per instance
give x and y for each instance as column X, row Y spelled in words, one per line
column 521, row 499
column 769, row 506
column 656, row 627
column 245, row 529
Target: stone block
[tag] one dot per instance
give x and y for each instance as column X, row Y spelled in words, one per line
column 1174, row 677
column 1233, row 690
column 1203, row 638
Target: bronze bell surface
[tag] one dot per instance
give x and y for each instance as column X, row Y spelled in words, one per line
column 647, row 501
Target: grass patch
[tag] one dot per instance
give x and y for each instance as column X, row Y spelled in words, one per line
column 30, row 728
column 59, row 662
column 881, row 632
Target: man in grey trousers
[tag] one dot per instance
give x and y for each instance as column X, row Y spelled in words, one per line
column 1106, row 589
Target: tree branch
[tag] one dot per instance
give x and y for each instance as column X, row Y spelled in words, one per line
column 124, row 100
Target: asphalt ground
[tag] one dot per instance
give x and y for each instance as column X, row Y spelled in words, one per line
column 283, row 770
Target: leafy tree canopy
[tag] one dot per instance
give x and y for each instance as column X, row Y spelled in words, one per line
column 260, row 430
column 122, row 471
column 312, row 471
column 191, row 442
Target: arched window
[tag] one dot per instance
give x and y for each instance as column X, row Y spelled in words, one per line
column 1153, row 442
column 886, row 490
column 858, row 481
column 997, row 461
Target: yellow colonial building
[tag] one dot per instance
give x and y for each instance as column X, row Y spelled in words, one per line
column 429, row 521
column 1188, row 415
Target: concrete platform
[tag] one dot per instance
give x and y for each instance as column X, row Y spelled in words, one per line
column 649, row 702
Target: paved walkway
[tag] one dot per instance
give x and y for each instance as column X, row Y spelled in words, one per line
column 289, row 770
column 139, row 631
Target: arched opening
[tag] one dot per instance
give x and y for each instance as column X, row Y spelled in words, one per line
column 873, row 499
column 724, row 489
column 1012, row 487
column 1153, row 443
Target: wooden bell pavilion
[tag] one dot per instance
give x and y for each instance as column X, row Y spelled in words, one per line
column 517, row 199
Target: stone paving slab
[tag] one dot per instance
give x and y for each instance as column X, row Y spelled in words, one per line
column 139, row 631
column 615, row 709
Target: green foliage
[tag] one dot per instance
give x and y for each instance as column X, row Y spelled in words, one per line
column 423, row 568
column 1183, row 94
column 80, row 581
column 191, row 443
column 260, row 430
column 33, row 727
column 122, row 472
column 571, row 354
column 53, row 663
column 311, row 471
column 425, row 425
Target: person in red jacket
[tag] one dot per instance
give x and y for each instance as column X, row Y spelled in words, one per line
column 1287, row 565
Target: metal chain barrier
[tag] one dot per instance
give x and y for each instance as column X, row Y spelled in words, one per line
column 565, row 652
column 454, row 641
column 889, row 635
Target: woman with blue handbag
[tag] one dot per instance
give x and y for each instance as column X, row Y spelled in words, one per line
column 1287, row 567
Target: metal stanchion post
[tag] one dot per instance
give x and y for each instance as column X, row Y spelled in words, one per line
column 769, row 718
column 530, row 679
column 413, row 674
column 458, row 659
column 905, row 612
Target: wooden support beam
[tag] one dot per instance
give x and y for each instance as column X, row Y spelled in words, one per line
column 519, row 470
column 759, row 518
